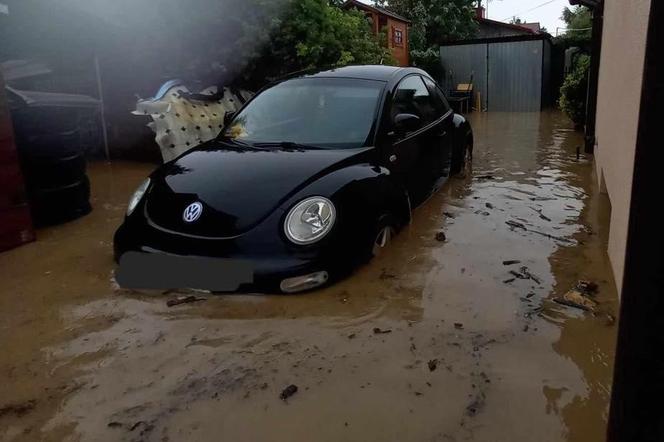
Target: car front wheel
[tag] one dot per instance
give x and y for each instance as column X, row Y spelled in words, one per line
column 465, row 150
column 382, row 235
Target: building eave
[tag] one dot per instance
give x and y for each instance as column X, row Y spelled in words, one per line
column 504, row 25
column 380, row 11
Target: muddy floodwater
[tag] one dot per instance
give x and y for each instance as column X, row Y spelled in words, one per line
column 432, row 341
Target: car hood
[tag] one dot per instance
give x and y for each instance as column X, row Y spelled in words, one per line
column 237, row 187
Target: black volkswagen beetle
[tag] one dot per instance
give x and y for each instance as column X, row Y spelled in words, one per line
column 309, row 179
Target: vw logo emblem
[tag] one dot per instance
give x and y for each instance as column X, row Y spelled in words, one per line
column 192, row 212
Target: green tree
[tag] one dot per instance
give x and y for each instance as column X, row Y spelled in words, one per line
column 579, row 21
column 434, row 22
column 314, row 33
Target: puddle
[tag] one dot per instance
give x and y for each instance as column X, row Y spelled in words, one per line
column 510, row 364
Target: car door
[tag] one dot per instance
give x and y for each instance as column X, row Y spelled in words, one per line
column 413, row 156
column 443, row 131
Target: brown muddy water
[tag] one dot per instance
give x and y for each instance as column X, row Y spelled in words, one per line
column 468, row 356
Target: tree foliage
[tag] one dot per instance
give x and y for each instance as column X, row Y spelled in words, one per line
column 434, row 22
column 578, row 20
column 573, row 93
column 315, row 33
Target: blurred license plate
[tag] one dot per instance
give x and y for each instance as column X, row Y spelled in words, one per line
column 162, row 271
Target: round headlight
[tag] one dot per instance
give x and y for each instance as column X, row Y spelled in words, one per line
column 136, row 197
column 310, row 220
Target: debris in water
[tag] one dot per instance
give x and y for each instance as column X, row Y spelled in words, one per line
column 489, row 206
column 525, row 328
column 515, row 224
column 579, row 296
column 524, row 273
column 18, row 409
column 458, row 325
column 610, row 320
column 518, row 225
column 433, row 363
column 575, row 298
column 482, row 212
column 183, row 300
column 541, row 215
column 484, row 177
column 288, row 392
column 449, row 215
column 507, row 281
column 530, row 295
column 138, row 424
column 351, row 336
column 509, row 262
column 588, row 287
column 379, row 331
column 440, row 236
column 474, row 407
column 114, row 424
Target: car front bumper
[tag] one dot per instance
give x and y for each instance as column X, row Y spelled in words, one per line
column 212, row 264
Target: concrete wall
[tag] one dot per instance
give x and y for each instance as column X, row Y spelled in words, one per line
column 618, row 101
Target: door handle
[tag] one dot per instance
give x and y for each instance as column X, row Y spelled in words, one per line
column 393, row 158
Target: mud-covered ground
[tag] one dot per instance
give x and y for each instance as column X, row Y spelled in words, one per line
column 466, row 350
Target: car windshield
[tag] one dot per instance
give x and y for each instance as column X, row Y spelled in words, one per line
column 333, row 113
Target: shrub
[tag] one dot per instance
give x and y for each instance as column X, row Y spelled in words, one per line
column 428, row 60
column 573, row 92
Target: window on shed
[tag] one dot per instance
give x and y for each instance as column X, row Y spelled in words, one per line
column 397, row 36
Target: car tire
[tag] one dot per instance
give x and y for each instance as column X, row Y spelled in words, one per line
column 459, row 156
column 384, row 230
column 45, row 173
column 60, row 204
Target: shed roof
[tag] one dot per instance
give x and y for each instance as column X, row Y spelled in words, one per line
column 501, row 24
column 375, row 9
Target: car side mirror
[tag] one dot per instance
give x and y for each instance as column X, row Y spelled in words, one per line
column 406, row 123
column 228, row 116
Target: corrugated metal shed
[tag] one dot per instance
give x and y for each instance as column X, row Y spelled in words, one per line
column 511, row 74
column 462, row 62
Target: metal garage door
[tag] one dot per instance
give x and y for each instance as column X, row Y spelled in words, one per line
column 515, row 76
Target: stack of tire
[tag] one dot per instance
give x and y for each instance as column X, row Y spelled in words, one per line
column 15, row 221
column 58, row 187
column 53, row 163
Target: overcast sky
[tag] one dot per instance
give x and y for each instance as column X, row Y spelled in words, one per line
column 547, row 12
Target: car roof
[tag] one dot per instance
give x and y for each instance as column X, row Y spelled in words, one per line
column 366, row 72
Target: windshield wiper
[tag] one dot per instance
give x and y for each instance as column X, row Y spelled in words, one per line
column 240, row 142
column 287, row 145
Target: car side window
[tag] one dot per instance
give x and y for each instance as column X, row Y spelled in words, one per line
column 413, row 97
column 439, row 100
